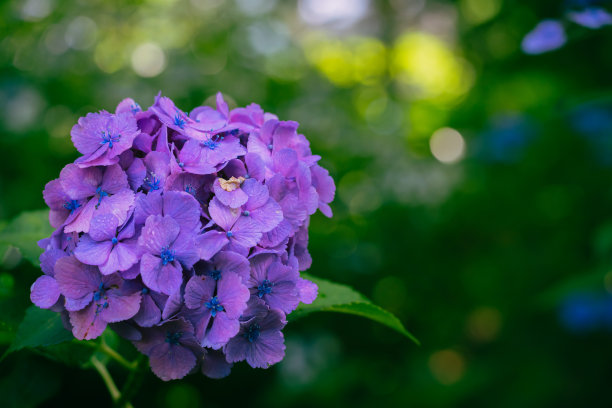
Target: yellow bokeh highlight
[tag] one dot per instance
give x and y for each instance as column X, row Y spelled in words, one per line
column 356, row 60
column 479, row 11
column 429, row 68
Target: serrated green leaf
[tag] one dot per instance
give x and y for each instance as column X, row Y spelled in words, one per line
column 39, row 327
column 334, row 297
column 24, row 232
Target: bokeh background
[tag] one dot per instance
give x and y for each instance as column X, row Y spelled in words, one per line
column 474, row 194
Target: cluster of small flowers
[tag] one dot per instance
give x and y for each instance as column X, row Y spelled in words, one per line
column 185, row 233
column 550, row 34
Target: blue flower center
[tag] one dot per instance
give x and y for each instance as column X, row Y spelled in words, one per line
column 101, row 195
column 71, row 205
column 107, row 137
column 214, row 306
column 246, row 213
column 229, row 234
column 252, row 333
column 210, row 144
column 144, row 291
column 100, row 293
column 166, row 255
column 173, row 337
column 265, row 288
column 179, row 121
column 190, row 190
column 153, row 184
column 270, row 147
column 135, row 108
column 235, row 132
column 215, row 274
column 114, row 240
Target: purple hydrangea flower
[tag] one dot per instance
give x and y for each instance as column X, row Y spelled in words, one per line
column 109, row 247
column 274, row 283
column 218, row 304
column 171, row 347
column 103, row 190
column 102, row 137
column 92, row 299
column 165, row 251
column 184, row 233
column 260, row 340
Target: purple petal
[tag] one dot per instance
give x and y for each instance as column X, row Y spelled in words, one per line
column 257, row 194
column 148, row 204
column 286, row 162
column 184, row 209
column 210, row 243
column 48, row 260
column 120, row 306
column 80, row 183
column 245, row 233
column 149, row 313
column 160, row 278
column 103, row 227
column 255, row 166
column 307, row 291
column 228, row 261
column 233, row 199
column 114, row 179
column 222, row 215
column 76, row 280
column 222, row 329
column 232, row 294
column 136, row 173
column 199, row 289
column 73, row 305
column 268, row 216
column 171, row 361
column 158, row 233
column 92, row 252
column 87, row 324
column 44, row 292
column 121, row 258
column 214, row 365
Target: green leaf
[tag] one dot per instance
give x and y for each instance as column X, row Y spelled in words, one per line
column 334, row 297
column 40, row 327
column 74, row 352
column 24, row 232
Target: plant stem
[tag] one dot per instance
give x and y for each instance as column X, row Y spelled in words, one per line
column 106, row 377
column 132, row 384
column 110, row 352
column 116, row 396
column 130, row 365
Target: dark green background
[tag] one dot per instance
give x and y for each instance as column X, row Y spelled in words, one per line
column 479, row 259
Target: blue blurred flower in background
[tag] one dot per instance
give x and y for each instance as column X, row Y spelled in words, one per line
column 548, row 35
column 591, row 17
column 584, row 312
column 505, row 140
column 594, row 122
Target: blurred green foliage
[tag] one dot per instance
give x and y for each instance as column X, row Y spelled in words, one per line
column 491, row 240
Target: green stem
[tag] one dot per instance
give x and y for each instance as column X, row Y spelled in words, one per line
column 106, row 377
column 132, row 384
column 118, row 399
column 130, row 365
column 110, row 352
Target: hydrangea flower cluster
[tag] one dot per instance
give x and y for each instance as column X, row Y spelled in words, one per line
column 184, row 233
